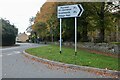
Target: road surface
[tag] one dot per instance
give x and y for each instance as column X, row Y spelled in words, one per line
column 16, row 65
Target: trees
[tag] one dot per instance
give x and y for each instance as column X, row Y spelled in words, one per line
column 45, row 22
column 114, row 7
column 9, row 33
column 52, row 24
column 96, row 22
column 31, row 21
column 117, row 19
column 105, row 19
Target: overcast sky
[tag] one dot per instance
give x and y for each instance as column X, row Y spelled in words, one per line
column 18, row 12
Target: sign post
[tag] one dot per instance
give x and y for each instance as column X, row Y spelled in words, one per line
column 60, row 34
column 75, row 36
column 68, row 11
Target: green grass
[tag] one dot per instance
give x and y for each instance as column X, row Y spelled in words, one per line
column 115, row 43
column 83, row 58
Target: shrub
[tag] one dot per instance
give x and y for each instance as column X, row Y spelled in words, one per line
column 9, row 33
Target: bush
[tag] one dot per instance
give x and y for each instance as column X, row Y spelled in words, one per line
column 9, row 33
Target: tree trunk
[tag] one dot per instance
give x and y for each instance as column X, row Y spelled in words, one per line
column 117, row 31
column 102, row 34
column 102, row 27
column 85, row 32
column 52, row 38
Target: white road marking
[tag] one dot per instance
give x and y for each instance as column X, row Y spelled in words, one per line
column 13, row 53
column 17, row 52
column 9, row 54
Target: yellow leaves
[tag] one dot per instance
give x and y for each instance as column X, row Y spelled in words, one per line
column 46, row 11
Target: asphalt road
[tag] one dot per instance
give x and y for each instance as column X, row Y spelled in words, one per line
column 16, row 65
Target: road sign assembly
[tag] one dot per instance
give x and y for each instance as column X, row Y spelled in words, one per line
column 69, row 11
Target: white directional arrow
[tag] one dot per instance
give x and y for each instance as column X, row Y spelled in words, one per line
column 70, row 11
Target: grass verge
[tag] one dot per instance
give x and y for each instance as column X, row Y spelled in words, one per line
column 83, row 58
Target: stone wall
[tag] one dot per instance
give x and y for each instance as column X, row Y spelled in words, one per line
column 103, row 47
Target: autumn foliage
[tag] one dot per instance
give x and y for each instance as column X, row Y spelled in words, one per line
column 95, row 24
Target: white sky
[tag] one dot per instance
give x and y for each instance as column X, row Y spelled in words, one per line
column 18, row 12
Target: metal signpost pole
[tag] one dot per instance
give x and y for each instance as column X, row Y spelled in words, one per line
column 60, row 35
column 75, row 36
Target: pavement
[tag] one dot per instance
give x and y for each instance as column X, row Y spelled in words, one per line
column 16, row 65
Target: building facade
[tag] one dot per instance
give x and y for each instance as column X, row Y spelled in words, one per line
column 22, row 37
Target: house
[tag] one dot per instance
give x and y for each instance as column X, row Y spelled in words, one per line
column 22, row 37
